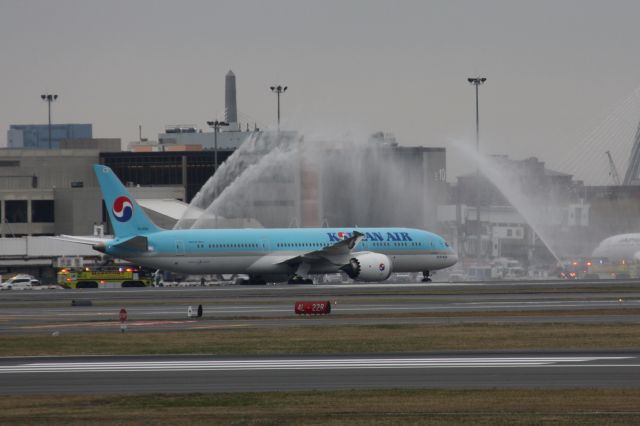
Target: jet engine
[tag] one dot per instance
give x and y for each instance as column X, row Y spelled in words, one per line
column 368, row 267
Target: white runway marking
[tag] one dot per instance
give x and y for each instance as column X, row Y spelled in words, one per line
column 307, row 364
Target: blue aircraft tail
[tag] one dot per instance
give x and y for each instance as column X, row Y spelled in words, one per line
column 127, row 217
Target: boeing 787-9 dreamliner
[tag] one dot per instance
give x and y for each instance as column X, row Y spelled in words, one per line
column 265, row 255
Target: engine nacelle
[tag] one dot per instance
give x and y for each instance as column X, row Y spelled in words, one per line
column 368, row 267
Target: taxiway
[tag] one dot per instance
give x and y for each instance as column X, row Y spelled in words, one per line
column 158, row 309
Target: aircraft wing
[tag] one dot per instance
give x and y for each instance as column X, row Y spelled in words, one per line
column 88, row 240
column 337, row 254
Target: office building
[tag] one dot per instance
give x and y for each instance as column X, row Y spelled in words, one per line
column 36, row 136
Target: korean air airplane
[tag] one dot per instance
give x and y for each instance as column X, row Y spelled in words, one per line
column 266, row 255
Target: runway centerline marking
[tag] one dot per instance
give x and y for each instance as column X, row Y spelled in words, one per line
column 311, row 364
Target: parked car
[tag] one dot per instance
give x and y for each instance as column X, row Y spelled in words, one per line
column 19, row 282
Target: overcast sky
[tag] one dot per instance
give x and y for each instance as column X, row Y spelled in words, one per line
column 556, row 69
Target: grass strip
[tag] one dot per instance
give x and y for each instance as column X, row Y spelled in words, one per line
column 332, row 339
column 384, row 407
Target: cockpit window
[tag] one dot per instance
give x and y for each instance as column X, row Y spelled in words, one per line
column 446, row 244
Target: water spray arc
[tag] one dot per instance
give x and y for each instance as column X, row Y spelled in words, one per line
column 276, row 177
column 537, row 213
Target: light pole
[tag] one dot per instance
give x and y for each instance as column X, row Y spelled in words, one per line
column 216, row 127
column 48, row 99
column 477, row 81
column 278, row 90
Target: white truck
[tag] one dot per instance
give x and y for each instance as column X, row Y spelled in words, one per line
column 19, row 282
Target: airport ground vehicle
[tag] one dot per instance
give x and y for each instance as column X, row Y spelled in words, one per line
column 603, row 269
column 104, row 277
column 598, row 268
column 572, row 269
column 19, row 282
column 504, row 268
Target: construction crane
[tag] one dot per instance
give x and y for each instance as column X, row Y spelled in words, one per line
column 613, row 172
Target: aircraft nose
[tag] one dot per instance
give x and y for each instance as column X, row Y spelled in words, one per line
column 452, row 258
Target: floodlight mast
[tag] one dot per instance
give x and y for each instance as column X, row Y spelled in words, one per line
column 216, row 127
column 48, row 98
column 477, row 81
column 278, row 90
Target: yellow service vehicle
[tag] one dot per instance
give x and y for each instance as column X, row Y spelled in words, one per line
column 103, row 277
column 618, row 270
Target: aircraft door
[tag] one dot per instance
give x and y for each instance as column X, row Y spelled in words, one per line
column 180, row 248
column 264, row 244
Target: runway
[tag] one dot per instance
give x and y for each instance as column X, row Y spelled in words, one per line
column 170, row 374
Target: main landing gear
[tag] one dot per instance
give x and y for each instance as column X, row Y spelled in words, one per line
column 297, row 279
column 426, row 277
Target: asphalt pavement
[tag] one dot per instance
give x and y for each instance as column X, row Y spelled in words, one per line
column 162, row 309
column 171, row 374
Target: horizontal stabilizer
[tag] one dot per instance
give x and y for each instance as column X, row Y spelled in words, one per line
column 88, row 240
column 137, row 243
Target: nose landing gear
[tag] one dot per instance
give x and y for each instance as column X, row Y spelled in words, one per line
column 426, row 277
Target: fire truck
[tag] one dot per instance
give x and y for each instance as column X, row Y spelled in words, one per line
column 104, row 277
column 614, row 270
column 598, row 268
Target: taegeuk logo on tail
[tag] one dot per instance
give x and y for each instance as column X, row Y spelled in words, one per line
column 122, row 209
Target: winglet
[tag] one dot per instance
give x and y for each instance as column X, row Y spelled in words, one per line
column 335, row 253
column 347, row 245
